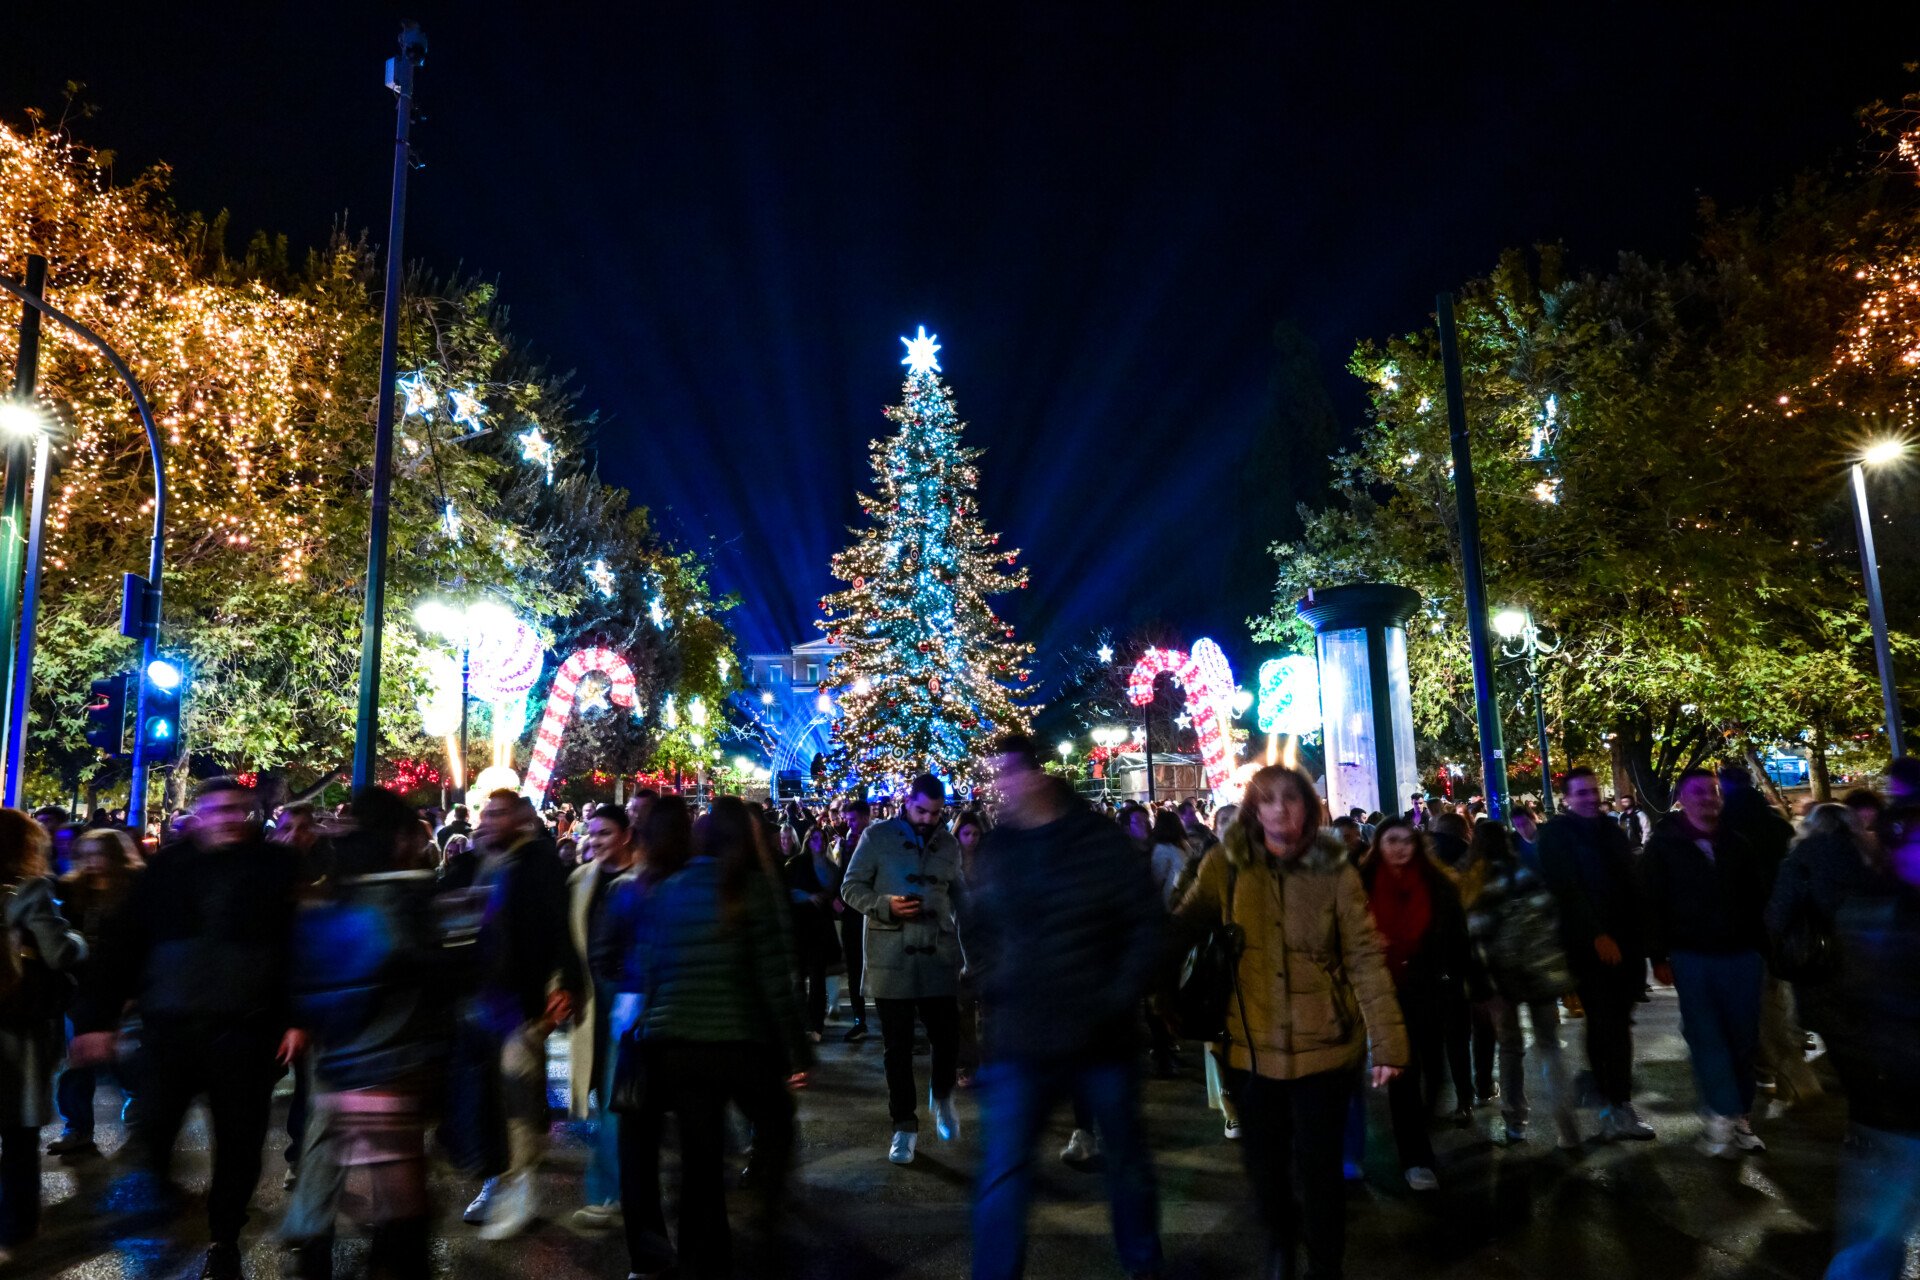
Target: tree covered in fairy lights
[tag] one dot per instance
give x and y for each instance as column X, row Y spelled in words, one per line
column 930, row 672
column 262, row 376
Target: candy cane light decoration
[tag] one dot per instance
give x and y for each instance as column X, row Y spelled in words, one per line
column 1207, row 680
column 560, row 700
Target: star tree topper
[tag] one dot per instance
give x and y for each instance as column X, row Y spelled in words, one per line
column 921, row 349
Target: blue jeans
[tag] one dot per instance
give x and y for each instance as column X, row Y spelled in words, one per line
column 1017, row 1097
column 603, row 1147
column 1720, row 1017
column 1879, row 1204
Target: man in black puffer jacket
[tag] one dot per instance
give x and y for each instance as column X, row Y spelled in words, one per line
column 1063, row 930
column 203, row 948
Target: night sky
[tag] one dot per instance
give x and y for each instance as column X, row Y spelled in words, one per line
column 724, row 217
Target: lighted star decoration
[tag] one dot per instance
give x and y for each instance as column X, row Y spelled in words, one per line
column 920, row 357
column 1106, row 653
column 601, row 579
column 1184, row 722
column 537, row 449
column 467, row 409
column 450, row 521
column 657, row 611
column 421, row 398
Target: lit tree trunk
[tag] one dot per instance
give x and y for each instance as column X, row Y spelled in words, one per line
column 1817, row 773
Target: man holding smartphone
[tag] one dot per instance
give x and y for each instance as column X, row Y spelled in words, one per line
column 904, row 878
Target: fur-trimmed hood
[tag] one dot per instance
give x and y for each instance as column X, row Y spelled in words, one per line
column 1327, row 856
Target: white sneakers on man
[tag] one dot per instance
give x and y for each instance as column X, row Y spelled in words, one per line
column 512, row 1210
column 1080, row 1148
column 1745, row 1138
column 476, row 1212
column 1716, row 1134
column 901, row 1152
column 1421, row 1178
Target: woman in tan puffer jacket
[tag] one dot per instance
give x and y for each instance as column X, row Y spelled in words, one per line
column 1313, row 991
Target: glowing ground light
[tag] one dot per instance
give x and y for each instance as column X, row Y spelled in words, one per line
column 921, row 349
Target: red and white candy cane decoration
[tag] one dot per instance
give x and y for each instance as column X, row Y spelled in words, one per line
column 1208, row 682
column 553, row 725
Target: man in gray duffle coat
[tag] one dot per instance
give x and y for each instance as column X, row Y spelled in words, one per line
column 905, row 879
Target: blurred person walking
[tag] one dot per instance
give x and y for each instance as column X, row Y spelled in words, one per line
column 614, row 854
column 1312, row 991
column 42, row 950
column 374, row 989
column 104, row 866
column 717, row 1023
column 1588, row 864
column 1706, row 932
column 1063, row 936
column 203, row 949
column 853, row 926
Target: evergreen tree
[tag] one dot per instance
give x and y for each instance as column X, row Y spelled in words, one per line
column 930, row 673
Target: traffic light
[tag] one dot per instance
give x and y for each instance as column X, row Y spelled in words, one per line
column 163, row 684
column 107, row 715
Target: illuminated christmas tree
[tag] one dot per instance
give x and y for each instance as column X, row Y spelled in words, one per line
column 930, row 673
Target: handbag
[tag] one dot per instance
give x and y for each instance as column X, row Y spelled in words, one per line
column 1804, row 951
column 1210, row 976
column 629, row 1092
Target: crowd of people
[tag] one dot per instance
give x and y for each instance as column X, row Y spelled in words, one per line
column 409, row 971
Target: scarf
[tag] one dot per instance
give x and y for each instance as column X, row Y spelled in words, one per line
column 1402, row 907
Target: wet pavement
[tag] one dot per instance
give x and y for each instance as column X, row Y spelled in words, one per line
column 1642, row 1210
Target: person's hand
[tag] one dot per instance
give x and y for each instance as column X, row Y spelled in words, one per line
column 559, row 1007
column 904, row 908
column 93, row 1049
column 1381, row 1075
column 798, row 1080
column 1663, row 974
column 292, row 1045
column 1607, row 949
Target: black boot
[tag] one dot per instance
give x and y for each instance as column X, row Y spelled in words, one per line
column 223, row 1263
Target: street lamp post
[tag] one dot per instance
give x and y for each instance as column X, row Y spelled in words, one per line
column 1876, row 455
column 413, row 52
column 147, row 614
column 1522, row 642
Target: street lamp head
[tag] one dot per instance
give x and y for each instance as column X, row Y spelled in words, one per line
column 1510, row 623
column 438, row 618
column 22, row 418
column 1881, row 452
column 1066, row 747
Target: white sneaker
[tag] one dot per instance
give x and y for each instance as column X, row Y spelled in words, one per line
column 1623, row 1123
column 1716, row 1134
column 1744, row 1137
column 1233, row 1131
column 1568, row 1127
column 1421, row 1178
column 1080, row 1148
column 901, row 1152
column 513, row 1208
column 946, row 1122
column 597, row 1217
column 476, row 1212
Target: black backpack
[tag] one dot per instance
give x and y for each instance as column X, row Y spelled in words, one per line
column 1210, row 976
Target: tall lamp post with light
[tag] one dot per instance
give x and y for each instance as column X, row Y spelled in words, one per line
column 1521, row 641
column 1876, row 455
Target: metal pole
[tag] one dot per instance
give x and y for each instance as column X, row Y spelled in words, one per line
column 1540, row 724
column 1146, row 743
column 156, row 546
column 413, row 51
column 1493, row 751
column 29, row 613
column 466, row 669
column 1877, row 613
column 13, row 493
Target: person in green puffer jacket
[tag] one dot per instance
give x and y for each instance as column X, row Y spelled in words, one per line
column 719, row 1022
